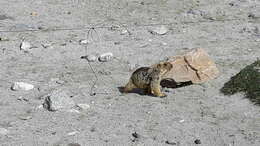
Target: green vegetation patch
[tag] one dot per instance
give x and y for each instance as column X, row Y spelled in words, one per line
column 247, row 80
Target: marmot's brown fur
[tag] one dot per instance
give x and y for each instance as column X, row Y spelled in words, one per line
column 149, row 78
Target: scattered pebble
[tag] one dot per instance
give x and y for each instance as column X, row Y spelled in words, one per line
column 181, row 121
column 117, row 43
column 4, row 39
column 124, row 31
column 161, row 30
column 196, row 12
column 84, row 42
column 22, row 98
column 104, row 72
column 250, row 29
column 47, row 45
column 63, row 44
column 34, row 14
column 135, row 135
column 19, row 86
column 56, row 81
column 25, row 117
column 164, row 44
column 197, row 141
column 72, row 133
column 60, row 82
column 39, row 107
column 90, row 58
column 3, row 131
column 83, row 106
column 251, row 15
column 231, row 4
column 133, row 66
column 3, row 17
column 58, row 100
column 170, row 142
column 105, row 57
column 25, row 46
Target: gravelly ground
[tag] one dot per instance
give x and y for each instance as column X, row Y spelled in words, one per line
column 222, row 28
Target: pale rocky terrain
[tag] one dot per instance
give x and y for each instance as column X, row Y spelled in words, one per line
column 227, row 29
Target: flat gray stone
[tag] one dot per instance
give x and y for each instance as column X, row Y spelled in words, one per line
column 58, row 100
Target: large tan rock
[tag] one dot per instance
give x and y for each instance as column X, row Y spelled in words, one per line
column 195, row 66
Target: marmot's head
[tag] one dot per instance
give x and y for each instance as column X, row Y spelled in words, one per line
column 164, row 67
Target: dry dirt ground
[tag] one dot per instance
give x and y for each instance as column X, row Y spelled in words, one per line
column 227, row 29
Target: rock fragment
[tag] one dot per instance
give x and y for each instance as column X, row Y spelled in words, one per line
column 136, row 136
column 25, row 117
column 124, row 31
column 3, row 131
column 195, row 66
column 21, row 86
column 47, row 45
column 170, row 142
column 197, row 141
column 58, row 100
column 25, row 46
column 4, row 39
column 84, row 42
column 89, row 58
column 21, row 98
column 105, row 57
column 161, row 30
column 73, row 133
column 83, row 106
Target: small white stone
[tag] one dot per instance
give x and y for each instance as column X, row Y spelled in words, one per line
column 83, row 106
column 72, row 133
column 39, row 107
column 163, row 43
column 3, row 131
column 25, row 46
column 181, row 121
column 105, row 57
column 161, row 30
column 19, row 86
column 20, row 98
column 91, row 58
column 84, row 42
column 58, row 99
column 123, row 32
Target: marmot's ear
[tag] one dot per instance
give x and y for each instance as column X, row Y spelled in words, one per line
column 159, row 65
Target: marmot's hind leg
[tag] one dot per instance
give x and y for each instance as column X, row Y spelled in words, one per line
column 155, row 89
column 129, row 86
column 148, row 90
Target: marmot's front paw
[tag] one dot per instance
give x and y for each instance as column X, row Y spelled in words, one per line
column 163, row 95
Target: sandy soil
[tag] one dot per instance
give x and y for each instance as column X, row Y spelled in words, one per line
column 227, row 30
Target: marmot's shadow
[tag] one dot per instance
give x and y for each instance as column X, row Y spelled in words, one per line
column 168, row 83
